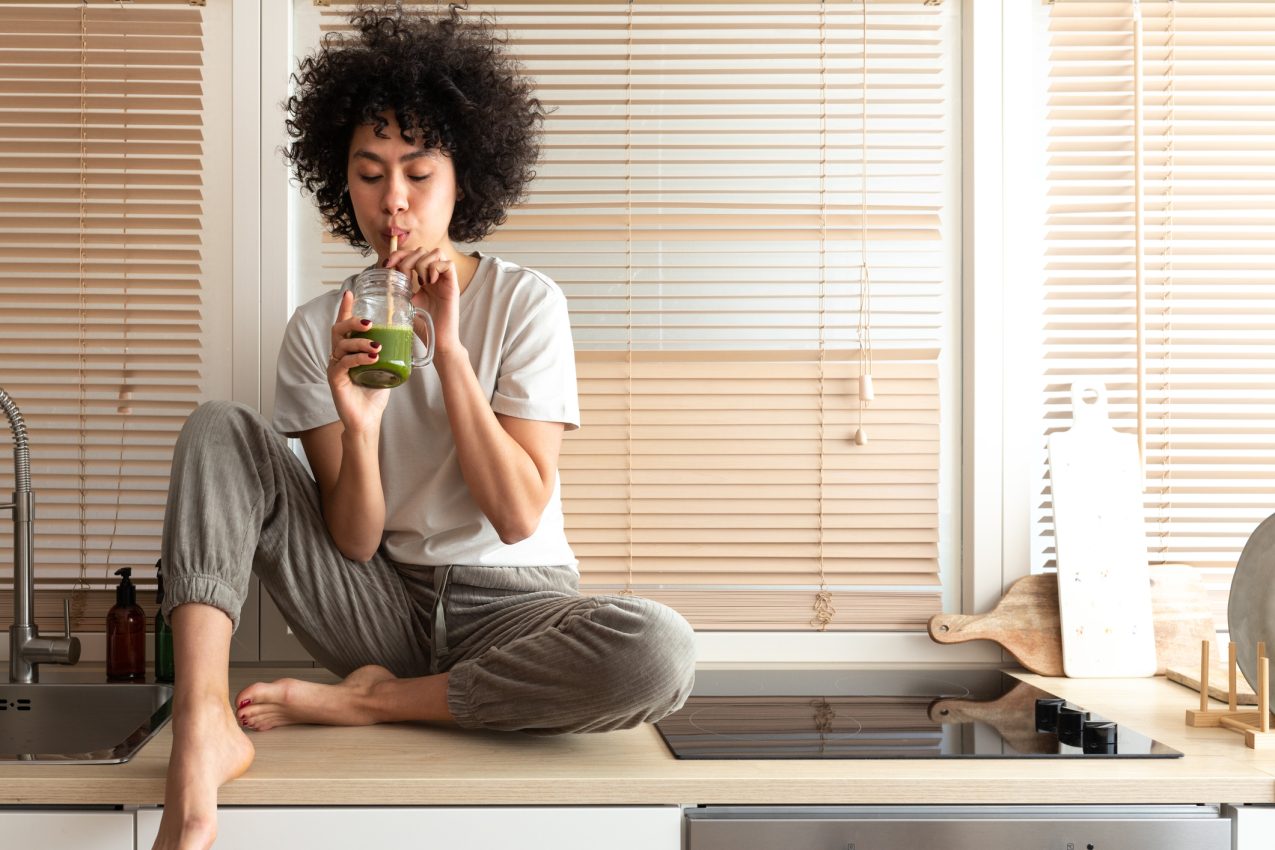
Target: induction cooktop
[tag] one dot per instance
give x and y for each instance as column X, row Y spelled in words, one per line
column 889, row 714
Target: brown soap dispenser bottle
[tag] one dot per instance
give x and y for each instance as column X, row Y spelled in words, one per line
column 126, row 634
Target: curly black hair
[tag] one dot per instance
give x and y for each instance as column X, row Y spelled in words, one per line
column 446, row 78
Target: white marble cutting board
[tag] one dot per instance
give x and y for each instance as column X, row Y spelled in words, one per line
column 1104, row 582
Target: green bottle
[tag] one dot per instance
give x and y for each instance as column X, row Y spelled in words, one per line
column 163, row 633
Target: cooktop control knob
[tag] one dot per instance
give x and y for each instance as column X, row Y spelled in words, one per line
column 1047, row 714
column 1099, row 738
column 1071, row 725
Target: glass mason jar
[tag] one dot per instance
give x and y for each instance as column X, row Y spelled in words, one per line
column 384, row 297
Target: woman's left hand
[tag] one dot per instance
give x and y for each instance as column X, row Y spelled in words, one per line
column 439, row 294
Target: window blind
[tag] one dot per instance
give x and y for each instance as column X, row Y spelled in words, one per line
column 704, row 200
column 106, row 342
column 1207, row 146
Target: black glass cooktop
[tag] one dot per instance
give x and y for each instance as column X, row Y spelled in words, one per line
column 890, row 714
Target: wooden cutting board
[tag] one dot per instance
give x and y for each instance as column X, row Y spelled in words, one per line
column 1013, row 715
column 1104, row 594
column 1025, row 621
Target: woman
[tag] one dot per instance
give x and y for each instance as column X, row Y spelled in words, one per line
column 425, row 562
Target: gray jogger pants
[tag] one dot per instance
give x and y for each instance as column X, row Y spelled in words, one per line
column 524, row 649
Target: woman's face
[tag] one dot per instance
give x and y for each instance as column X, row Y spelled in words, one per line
column 399, row 189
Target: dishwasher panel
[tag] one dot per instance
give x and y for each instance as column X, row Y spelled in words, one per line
column 958, row 828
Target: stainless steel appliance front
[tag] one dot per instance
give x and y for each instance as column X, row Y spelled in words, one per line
column 957, row 828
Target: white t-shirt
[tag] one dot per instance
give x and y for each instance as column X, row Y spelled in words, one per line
column 514, row 323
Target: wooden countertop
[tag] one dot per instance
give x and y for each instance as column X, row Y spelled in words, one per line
column 407, row 764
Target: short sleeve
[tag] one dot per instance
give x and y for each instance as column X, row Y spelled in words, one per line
column 303, row 399
column 537, row 378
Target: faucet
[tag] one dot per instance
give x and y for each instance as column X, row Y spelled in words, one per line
column 26, row 648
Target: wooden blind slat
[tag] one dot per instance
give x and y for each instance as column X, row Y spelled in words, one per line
column 102, row 220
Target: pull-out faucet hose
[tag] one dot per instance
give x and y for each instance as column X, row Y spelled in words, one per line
column 21, row 453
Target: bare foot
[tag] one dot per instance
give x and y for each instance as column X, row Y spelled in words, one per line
column 209, row 750
column 266, row 705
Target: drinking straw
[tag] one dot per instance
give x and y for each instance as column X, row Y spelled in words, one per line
column 389, row 289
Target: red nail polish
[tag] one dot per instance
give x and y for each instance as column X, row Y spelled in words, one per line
column 245, row 721
column 376, row 346
column 365, row 322
column 242, row 703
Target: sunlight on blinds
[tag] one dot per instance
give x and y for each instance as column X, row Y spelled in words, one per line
column 104, row 346
column 1208, row 189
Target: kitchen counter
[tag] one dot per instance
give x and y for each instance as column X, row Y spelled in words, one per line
column 410, row 764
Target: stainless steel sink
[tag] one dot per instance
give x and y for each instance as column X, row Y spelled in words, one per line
column 72, row 723
column 80, row 723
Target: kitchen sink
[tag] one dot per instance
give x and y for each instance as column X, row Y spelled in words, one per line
column 60, row 723
column 80, row 723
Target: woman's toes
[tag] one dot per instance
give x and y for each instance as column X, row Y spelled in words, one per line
column 245, row 698
column 257, row 692
column 258, row 721
column 263, row 693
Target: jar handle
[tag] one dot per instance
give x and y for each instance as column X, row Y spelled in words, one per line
column 417, row 312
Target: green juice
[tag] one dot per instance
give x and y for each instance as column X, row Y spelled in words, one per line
column 395, row 361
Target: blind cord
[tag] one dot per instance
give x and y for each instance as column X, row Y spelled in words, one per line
column 864, row 330
column 1139, row 220
column 1166, row 303
column 123, row 409
column 79, row 593
column 823, row 598
column 628, row 290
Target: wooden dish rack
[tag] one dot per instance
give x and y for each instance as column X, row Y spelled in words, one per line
column 1254, row 725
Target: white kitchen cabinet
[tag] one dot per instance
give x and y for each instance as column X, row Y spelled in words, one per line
column 1254, row 826
column 66, row 830
column 474, row 828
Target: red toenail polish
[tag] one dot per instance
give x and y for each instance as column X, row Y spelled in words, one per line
column 242, row 703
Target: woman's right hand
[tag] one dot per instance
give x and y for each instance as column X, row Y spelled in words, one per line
column 360, row 408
